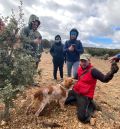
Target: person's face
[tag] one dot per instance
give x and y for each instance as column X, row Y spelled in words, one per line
column 35, row 25
column 84, row 63
column 73, row 35
column 57, row 40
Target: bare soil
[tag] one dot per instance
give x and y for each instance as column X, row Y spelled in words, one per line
column 106, row 96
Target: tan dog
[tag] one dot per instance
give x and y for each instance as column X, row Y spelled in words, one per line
column 51, row 93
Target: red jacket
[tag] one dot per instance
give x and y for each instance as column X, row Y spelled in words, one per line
column 86, row 84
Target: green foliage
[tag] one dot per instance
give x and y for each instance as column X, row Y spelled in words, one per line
column 23, row 68
column 46, row 43
column 101, row 51
column 17, row 67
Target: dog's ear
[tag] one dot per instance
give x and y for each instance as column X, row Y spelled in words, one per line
column 70, row 80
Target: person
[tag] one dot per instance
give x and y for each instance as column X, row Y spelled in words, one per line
column 57, row 53
column 115, row 58
column 83, row 90
column 73, row 48
column 31, row 38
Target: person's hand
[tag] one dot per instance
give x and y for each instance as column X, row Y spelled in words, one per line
column 114, row 59
column 71, row 48
column 114, row 68
column 37, row 41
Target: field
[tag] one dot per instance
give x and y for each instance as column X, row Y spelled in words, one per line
column 106, row 96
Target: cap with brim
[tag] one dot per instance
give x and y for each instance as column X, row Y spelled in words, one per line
column 85, row 57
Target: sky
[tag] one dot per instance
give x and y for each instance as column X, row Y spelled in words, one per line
column 98, row 21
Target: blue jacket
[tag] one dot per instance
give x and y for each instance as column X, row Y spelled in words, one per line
column 118, row 55
column 75, row 55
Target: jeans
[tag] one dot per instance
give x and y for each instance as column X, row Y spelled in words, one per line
column 72, row 66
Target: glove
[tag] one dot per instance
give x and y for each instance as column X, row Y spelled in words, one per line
column 114, row 59
column 114, row 68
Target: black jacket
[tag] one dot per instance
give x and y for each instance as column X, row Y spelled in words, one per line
column 57, row 52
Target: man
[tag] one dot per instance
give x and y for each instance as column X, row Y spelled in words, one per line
column 83, row 91
column 31, row 39
column 58, row 57
column 73, row 48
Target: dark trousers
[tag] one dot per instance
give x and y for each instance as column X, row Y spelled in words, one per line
column 56, row 65
column 85, row 106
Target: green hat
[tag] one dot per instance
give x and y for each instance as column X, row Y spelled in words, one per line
column 85, row 57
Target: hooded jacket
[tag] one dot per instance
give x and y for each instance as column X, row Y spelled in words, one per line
column 57, row 52
column 73, row 56
column 28, row 35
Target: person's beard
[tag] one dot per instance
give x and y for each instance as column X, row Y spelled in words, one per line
column 34, row 28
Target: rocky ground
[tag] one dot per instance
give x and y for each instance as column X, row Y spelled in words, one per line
column 106, row 96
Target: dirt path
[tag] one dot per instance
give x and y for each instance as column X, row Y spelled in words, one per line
column 107, row 96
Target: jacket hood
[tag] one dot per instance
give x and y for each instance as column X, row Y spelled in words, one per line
column 57, row 36
column 33, row 18
column 74, row 30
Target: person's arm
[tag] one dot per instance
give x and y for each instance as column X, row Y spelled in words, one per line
column 52, row 50
column 100, row 76
column 107, row 77
column 65, row 49
column 115, row 58
column 79, row 48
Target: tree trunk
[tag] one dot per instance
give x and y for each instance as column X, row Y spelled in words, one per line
column 6, row 111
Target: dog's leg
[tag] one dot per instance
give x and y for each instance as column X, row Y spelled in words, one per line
column 61, row 103
column 33, row 103
column 42, row 106
column 29, row 107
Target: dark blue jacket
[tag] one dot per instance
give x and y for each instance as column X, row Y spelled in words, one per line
column 118, row 55
column 57, row 52
column 75, row 55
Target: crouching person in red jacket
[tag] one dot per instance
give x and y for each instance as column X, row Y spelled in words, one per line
column 83, row 91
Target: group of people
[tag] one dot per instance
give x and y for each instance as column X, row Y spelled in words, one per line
column 78, row 66
column 83, row 91
column 68, row 53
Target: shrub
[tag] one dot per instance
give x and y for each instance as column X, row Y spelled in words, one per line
column 17, row 68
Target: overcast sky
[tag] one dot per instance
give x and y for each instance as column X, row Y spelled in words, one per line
column 98, row 21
